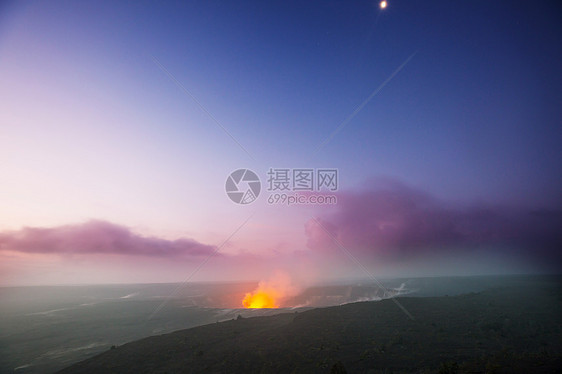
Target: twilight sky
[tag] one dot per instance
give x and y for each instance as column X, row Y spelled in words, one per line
column 120, row 123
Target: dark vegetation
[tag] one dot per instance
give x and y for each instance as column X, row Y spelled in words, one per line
column 509, row 330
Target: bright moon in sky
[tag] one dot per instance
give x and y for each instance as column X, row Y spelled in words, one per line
column 383, row 4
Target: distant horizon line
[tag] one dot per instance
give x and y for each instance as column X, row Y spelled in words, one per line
column 327, row 282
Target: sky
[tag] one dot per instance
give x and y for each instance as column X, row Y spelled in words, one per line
column 120, row 123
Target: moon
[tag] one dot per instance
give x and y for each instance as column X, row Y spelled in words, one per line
column 383, row 4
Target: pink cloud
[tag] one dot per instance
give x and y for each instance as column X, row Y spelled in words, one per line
column 394, row 221
column 97, row 237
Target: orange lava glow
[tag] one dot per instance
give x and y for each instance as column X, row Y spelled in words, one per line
column 260, row 299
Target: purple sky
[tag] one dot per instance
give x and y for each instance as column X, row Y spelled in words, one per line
column 119, row 124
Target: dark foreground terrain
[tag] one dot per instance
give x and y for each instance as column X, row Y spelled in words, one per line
column 508, row 330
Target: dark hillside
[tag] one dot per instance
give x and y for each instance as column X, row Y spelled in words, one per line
column 509, row 330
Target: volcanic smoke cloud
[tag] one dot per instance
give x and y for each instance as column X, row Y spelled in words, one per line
column 97, row 237
column 392, row 221
column 270, row 293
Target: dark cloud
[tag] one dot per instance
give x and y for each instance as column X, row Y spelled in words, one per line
column 97, row 237
column 395, row 221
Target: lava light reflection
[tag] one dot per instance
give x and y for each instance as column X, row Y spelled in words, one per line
column 259, row 299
